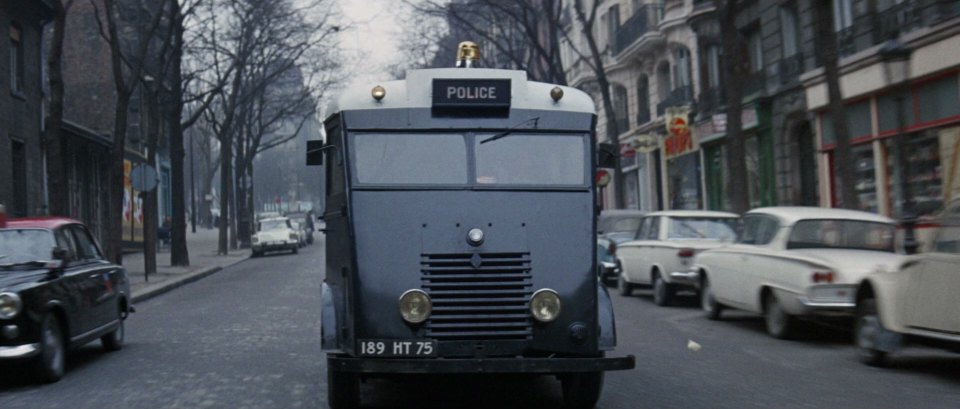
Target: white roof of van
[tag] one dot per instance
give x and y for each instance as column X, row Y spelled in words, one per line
column 416, row 91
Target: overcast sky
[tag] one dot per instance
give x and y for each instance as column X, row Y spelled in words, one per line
column 373, row 38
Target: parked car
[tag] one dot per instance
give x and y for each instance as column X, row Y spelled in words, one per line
column 607, row 268
column 618, row 225
column 57, row 293
column 663, row 249
column 305, row 220
column 274, row 234
column 917, row 301
column 796, row 261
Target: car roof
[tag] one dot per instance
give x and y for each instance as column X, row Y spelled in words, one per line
column 693, row 213
column 43, row 222
column 793, row 214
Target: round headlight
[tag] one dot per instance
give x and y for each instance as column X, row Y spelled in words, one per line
column 10, row 305
column 415, row 306
column 545, row 305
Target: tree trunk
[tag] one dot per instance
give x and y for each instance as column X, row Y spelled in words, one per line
column 150, row 211
column 116, row 178
column 243, row 231
column 737, row 185
column 179, row 254
column 226, row 148
column 842, row 156
column 59, row 198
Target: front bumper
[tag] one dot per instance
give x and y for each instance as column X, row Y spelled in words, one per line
column 608, row 270
column 479, row 365
column 275, row 246
column 19, row 351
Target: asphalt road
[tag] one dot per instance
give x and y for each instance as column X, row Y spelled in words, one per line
column 248, row 337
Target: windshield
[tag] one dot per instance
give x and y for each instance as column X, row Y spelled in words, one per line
column 609, row 224
column 20, row 246
column 721, row 228
column 397, row 159
column 842, row 234
column 270, row 225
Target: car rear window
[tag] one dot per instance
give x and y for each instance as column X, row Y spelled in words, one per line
column 842, row 234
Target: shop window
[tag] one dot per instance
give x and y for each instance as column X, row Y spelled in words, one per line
column 939, row 99
column 916, row 182
column 887, row 112
column 683, row 178
column 631, row 185
column 865, row 182
column 858, row 123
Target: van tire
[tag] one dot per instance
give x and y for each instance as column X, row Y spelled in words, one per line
column 343, row 389
column 581, row 390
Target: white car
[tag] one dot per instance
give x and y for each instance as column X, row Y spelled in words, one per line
column 796, row 261
column 273, row 234
column 916, row 302
column 664, row 246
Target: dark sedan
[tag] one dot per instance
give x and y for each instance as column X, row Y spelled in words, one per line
column 57, row 292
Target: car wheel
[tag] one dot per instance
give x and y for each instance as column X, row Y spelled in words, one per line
column 295, row 250
column 780, row 324
column 581, row 390
column 255, row 254
column 625, row 288
column 114, row 340
column 662, row 291
column 51, row 363
column 866, row 332
column 708, row 303
column 343, row 389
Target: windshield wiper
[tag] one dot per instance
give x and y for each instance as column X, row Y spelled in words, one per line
column 31, row 263
column 509, row 131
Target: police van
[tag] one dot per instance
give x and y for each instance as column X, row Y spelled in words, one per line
column 460, row 232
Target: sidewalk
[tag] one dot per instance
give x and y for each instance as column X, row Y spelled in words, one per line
column 204, row 261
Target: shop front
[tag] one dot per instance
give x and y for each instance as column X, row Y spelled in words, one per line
column 681, row 157
column 908, row 172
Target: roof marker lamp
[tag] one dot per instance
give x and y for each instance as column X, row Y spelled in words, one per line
column 415, row 306
column 10, row 305
column 545, row 305
column 556, row 93
column 378, row 93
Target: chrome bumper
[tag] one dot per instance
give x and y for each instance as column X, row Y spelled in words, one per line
column 19, row 351
column 690, row 278
column 829, row 299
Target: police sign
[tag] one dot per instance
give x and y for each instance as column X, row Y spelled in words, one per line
column 463, row 93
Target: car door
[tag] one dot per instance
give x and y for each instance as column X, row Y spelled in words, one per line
column 932, row 302
column 648, row 250
column 77, row 293
column 100, row 278
column 630, row 252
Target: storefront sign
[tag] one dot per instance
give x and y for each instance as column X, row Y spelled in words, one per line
column 603, row 178
column 679, row 138
column 646, row 143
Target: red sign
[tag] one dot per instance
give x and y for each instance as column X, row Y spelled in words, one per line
column 679, row 138
column 603, row 178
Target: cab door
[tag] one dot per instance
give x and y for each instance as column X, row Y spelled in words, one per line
column 73, row 290
column 935, row 284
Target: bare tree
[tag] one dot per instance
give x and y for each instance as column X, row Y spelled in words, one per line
column 56, row 174
column 127, row 63
column 733, row 71
column 587, row 19
column 826, row 41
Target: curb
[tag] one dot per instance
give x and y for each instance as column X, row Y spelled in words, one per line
column 173, row 284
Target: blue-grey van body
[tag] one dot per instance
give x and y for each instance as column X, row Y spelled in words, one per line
column 381, row 242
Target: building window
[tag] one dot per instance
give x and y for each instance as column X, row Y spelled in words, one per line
column 789, row 34
column 613, row 24
column 842, row 14
column 755, row 50
column 643, row 100
column 711, row 72
column 19, row 163
column 16, row 58
column 681, row 67
column 620, row 109
column 663, row 81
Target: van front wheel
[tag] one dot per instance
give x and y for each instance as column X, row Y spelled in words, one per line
column 581, row 390
column 343, row 389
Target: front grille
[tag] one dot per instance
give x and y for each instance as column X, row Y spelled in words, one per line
column 478, row 296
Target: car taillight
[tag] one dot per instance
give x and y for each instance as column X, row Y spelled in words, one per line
column 685, row 253
column 822, row 277
column 3, row 216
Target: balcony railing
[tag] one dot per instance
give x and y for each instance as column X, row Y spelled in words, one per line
column 710, row 101
column 874, row 28
column 643, row 21
column 790, row 68
column 679, row 96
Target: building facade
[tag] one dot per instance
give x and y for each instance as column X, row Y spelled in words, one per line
column 21, row 107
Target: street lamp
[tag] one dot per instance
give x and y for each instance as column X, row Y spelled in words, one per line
column 895, row 57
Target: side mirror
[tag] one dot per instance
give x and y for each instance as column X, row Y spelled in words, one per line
column 607, row 155
column 59, row 257
column 315, row 153
column 60, row 253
